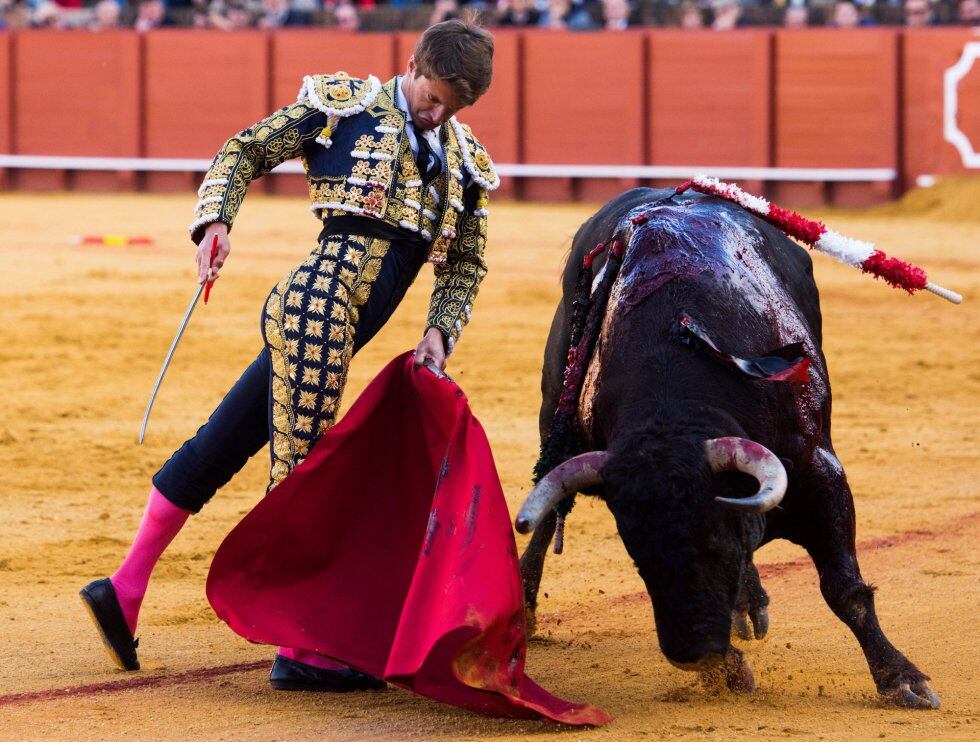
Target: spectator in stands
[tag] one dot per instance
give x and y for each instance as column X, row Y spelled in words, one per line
column 691, row 16
column 728, row 14
column 278, row 13
column 796, row 16
column 194, row 13
column 151, row 14
column 617, row 15
column 579, row 17
column 47, row 15
column 554, row 16
column 230, row 15
column 968, row 13
column 519, row 13
column 346, row 17
column 572, row 15
column 444, row 10
column 105, row 16
column 844, row 15
column 918, row 13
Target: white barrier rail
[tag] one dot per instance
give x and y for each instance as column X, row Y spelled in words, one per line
column 682, row 172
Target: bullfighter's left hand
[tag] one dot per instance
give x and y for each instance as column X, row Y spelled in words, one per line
column 432, row 350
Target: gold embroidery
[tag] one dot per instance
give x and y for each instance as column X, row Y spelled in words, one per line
column 458, row 279
column 306, row 398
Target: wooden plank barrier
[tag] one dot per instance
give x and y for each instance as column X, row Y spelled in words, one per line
column 709, row 99
column 6, row 99
column 201, row 87
column 583, row 103
column 77, row 94
column 836, row 105
column 814, row 98
column 927, row 55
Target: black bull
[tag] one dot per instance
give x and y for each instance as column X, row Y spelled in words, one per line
column 650, row 401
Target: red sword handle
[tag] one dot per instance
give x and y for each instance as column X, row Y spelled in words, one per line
column 214, row 254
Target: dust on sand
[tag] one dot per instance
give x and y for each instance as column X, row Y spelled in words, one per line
column 82, row 336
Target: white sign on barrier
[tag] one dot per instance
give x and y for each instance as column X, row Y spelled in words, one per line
column 951, row 80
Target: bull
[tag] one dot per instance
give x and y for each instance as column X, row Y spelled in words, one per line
column 702, row 461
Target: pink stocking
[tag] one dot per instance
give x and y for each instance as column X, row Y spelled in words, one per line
column 311, row 658
column 162, row 520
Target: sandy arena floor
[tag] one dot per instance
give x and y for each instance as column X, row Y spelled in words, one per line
column 84, row 330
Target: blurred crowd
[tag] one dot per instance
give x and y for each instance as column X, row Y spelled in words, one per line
column 390, row 15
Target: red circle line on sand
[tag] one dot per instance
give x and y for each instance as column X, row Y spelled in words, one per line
column 150, row 681
column 205, row 673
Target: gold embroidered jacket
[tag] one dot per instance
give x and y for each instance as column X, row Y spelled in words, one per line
column 351, row 138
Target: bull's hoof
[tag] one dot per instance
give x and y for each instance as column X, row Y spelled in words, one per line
column 738, row 675
column 759, row 623
column 911, row 694
column 730, row 671
column 740, row 625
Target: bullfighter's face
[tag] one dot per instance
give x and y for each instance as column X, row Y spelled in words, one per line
column 431, row 102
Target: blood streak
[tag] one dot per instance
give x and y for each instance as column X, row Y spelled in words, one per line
column 431, row 531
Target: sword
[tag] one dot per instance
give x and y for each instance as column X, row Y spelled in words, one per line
column 205, row 288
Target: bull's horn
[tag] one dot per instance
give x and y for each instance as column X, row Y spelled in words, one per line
column 566, row 479
column 741, row 454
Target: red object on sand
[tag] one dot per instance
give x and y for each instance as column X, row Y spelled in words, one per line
column 112, row 240
column 390, row 548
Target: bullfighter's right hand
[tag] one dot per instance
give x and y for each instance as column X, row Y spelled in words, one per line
column 205, row 273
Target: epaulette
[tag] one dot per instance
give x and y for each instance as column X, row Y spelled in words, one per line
column 339, row 94
column 475, row 157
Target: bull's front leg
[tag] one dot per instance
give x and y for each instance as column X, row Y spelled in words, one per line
column 827, row 532
column 532, row 567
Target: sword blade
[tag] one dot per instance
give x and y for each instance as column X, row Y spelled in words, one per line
column 170, row 355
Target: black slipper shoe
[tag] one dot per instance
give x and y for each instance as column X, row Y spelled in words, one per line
column 289, row 674
column 99, row 599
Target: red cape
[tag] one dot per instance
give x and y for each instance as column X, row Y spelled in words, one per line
column 390, row 549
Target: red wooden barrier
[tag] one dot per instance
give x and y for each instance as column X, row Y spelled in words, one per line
column 822, row 98
column 583, row 103
column 928, row 53
column 300, row 52
column 83, row 98
column 836, row 106
column 709, row 98
column 201, row 87
column 6, row 94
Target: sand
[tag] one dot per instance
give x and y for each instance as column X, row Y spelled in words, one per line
column 82, row 335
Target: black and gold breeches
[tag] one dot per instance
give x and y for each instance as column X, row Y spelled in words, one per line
column 314, row 321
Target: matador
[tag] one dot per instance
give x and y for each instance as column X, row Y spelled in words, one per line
column 396, row 180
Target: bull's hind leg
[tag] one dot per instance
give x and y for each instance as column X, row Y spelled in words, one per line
column 751, row 605
column 532, row 566
column 827, row 532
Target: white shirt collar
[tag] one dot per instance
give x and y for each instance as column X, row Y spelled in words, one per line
column 431, row 135
column 400, row 98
